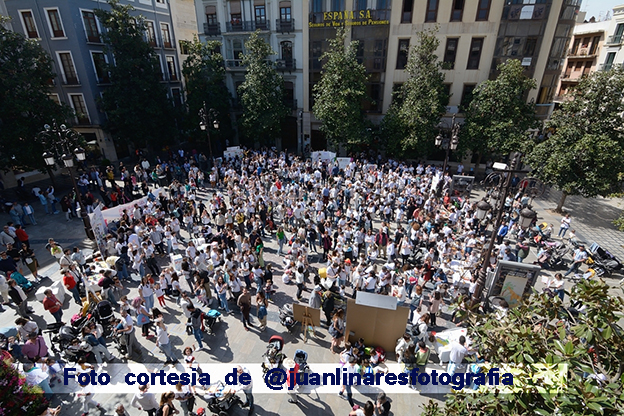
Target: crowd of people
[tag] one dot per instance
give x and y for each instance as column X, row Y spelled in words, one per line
column 388, row 228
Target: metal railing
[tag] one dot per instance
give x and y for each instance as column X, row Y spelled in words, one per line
column 212, row 29
column 247, row 26
column 284, row 26
column 234, row 64
column 614, row 40
column 286, row 64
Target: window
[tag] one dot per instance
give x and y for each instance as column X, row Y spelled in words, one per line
column 260, row 13
column 91, row 27
column 451, row 52
column 380, row 54
column 594, row 45
column 237, row 48
column 317, row 6
column 467, row 94
column 29, row 24
column 171, row 68
column 285, row 11
column 359, row 53
column 68, row 68
column 317, row 52
column 160, row 2
column 529, row 46
column 166, row 35
column 457, row 11
column 403, row 53
column 475, row 53
column 56, row 26
column 406, row 15
column 609, row 61
column 99, row 63
column 150, row 33
column 432, row 11
column 361, row 4
column 447, row 89
column 211, row 15
column 80, row 108
column 287, row 54
column 55, row 98
column 483, row 10
column 176, row 97
column 337, row 5
column 382, row 4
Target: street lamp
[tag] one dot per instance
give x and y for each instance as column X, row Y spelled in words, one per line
column 447, row 144
column 483, row 207
column 205, row 117
column 59, row 140
column 527, row 215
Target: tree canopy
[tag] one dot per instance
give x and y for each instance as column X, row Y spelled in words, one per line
column 498, row 117
column 136, row 103
column 583, row 153
column 262, row 93
column 25, row 103
column 204, row 73
column 564, row 362
column 416, row 109
column 339, row 94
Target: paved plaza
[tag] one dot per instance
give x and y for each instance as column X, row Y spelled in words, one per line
column 231, row 344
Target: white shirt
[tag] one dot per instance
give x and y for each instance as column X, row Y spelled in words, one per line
column 161, row 336
column 458, row 352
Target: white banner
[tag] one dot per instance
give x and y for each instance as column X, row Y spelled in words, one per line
column 99, row 228
column 115, row 213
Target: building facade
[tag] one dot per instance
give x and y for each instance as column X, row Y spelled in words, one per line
column 71, row 33
column 232, row 22
column 585, row 47
column 612, row 53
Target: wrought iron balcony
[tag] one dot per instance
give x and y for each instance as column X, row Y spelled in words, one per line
column 246, row 26
column 286, row 64
column 212, row 29
column 285, row 26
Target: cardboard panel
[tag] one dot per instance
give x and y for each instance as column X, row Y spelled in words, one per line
column 299, row 310
column 378, row 327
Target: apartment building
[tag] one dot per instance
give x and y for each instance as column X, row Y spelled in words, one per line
column 231, row 22
column 587, row 42
column 612, row 53
column 71, row 33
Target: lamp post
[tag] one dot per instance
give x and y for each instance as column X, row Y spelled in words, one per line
column 59, row 140
column 448, row 144
column 207, row 117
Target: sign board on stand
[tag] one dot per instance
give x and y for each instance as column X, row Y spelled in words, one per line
column 99, row 229
column 513, row 281
column 461, row 186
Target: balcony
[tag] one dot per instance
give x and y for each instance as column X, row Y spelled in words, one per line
column 581, row 53
column 285, row 26
column 614, row 40
column 246, row 26
column 212, row 29
column 83, row 120
column 94, row 38
column 71, row 81
column 286, row 65
column 234, row 64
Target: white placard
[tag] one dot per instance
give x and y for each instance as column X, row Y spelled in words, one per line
column 376, row 301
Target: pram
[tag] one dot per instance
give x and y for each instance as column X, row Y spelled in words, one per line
column 220, row 399
column 301, row 358
column 210, row 319
column 605, row 262
column 22, row 282
column 104, row 313
column 287, row 317
column 273, row 357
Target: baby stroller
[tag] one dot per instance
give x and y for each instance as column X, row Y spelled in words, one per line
column 301, row 358
column 220, row 399
column 210, row 319
column 287, row 317
column 274, row 356
column 104, row 314
column 22, row 282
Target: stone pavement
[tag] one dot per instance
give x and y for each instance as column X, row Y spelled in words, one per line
column 231, row 344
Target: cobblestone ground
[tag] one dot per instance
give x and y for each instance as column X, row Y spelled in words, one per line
column 591, row 219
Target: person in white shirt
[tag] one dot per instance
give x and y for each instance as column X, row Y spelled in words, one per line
column 458, row 352
column 398, row 291
column 246, row 388
column 144, row 400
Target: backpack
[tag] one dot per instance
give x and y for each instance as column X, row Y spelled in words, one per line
column 381, row 353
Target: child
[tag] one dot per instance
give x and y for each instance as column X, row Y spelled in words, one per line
column 160, row 294
column 346, row 354
column 189, row 359
column 262, row 310
column 200, row 292
column 54, row 368
column 268, row 289
column 343, row 294
column 359, row 345
column 434, row 306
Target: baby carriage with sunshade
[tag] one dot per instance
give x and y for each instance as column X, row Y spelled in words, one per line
column 220, row 398
column 273, row 357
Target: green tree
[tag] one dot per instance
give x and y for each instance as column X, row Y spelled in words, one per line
column 498, row 117
column 585, row 153
column 204, row 73
column 555, row 355
column 136, row 102
column 339, row 94
column 262, row 93
column 25, row 104
column 418, row 105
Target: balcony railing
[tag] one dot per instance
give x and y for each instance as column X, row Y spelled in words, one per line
column 83, row 120
column 286, row 64
column 71, row 81
column 94, row 38
column 608, row 67
column 614, row 40
column 234, row 64
column 285, row 26
column 213, row 29
column 246, row 26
